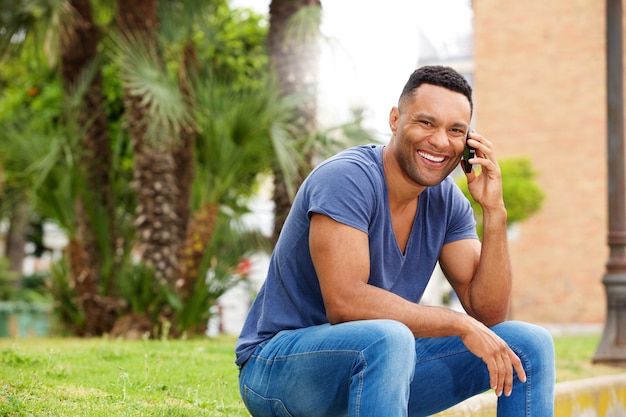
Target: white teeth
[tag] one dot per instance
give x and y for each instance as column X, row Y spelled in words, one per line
column 431, row 157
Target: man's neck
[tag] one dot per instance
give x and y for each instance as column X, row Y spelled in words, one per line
column 402, row 191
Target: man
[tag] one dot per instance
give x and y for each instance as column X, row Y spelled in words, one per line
column 336, row 329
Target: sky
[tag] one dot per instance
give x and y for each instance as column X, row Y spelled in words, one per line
column 372, row 48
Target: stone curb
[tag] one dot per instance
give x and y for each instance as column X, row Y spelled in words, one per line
column 593, row 397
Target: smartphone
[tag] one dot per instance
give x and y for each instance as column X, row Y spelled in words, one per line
column 468, row 153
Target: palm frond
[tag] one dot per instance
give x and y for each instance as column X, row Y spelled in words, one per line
column 17, row 18
column 235, row 138
column 303, row 26
column 230, row 244
column 177, row 18
column 41, row 157
column 287, row 157
column 146, row 78
column 42, row 163
column 326, row 142
column 46, row 21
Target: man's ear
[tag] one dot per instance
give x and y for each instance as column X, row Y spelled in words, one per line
column 394, row 115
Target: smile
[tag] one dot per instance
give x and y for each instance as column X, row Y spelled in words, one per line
column 430, row 157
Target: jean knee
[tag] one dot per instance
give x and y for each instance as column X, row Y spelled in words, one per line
column 393, row 331
column 389, row 355
column 394, row 337
column 533, row 339
column 533, row 344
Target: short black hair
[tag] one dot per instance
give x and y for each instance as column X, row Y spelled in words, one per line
column 440, row 76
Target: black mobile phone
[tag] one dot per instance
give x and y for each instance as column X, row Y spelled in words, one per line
column 468, row 153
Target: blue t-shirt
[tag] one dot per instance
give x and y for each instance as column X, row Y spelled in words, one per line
column 351, row 189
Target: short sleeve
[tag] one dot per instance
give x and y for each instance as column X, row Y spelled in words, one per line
column 344, row 190
column 461, row 221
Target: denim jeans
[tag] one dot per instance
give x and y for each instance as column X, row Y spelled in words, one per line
column 378, row 368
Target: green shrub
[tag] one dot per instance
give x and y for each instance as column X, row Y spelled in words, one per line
column 7, row 280
column 523, row 197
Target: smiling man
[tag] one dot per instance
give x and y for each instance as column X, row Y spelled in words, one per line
column 337, row 328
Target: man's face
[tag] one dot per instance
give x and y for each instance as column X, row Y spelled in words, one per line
column 429, row 131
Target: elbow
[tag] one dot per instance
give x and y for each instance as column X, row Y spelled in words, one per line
column 489, row 311
column 336, row 317
column 338, row 312
column 493, row 316
column 492, row 321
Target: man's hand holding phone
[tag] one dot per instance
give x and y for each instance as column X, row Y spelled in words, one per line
column 468, row 153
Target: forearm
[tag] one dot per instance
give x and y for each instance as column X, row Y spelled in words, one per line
column 491, row 287
column 367, row 302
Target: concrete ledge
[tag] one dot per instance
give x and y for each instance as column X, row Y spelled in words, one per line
column 594, row 397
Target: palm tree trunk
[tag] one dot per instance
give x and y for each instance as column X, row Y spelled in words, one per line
column 294, row 62
column 16, row 236
column 199, row 234
column 78, row 52
column 158, row 194
column 184, row 158
column 195, row 233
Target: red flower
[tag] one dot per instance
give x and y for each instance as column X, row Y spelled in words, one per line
column 244, row 267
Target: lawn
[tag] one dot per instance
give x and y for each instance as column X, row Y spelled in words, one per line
column 101, row 377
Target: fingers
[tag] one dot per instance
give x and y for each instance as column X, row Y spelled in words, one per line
column 485, row 156
column 485, row 185
column 482, row 145
column 507, row 381
column 501, row 373
column 519, row 368
column 502, row 363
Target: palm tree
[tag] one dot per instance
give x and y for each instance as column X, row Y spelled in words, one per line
column 80, row 70
column 293, row 50
column 177, row 24
column 236, row 132
column 164, row 116
column 234, row 147
column 71, row 24
column 154, row 123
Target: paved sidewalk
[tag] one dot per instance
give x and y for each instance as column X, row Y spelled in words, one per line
column 557, row 329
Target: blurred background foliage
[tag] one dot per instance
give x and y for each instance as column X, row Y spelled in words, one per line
column 523, row 196
column 141, row 130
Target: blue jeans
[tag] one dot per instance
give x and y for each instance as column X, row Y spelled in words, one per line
column 378, row 368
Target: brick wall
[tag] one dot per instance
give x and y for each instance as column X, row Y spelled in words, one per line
column 540, row 91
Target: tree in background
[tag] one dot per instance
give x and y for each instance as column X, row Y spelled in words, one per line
column 523, row 197
column 69, row 28
column 194, row 121
column 81, row 74
column 293, row 41
column 40, row 153
column 154, row 123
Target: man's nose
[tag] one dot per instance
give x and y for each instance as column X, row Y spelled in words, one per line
column 439, row 139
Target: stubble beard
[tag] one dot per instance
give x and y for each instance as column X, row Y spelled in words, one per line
column 413, row 173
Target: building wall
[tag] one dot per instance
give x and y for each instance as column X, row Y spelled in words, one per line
column 540, row 92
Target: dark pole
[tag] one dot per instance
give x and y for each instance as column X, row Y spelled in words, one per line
column 612, row 347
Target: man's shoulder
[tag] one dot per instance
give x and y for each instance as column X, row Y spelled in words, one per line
column 354, row 176
column 359, row 158
column 367, row 154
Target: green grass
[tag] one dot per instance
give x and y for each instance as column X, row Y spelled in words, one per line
column 573, row 358
column 98, row 377
column 101, row 377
